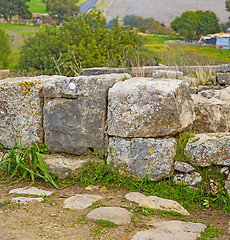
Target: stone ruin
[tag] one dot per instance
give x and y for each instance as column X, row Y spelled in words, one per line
column 135, row 119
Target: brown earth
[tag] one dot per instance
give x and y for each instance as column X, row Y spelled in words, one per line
column 49, row 220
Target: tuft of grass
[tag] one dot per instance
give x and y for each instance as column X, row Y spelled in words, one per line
column 8, row 205
column 180, row 146
column 209, row 233
column 24, row 164
column 105, row 223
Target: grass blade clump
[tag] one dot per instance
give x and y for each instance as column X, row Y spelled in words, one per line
column 24, row 164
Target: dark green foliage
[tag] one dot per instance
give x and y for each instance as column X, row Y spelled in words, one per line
column 5, row 49
column 79, row 43
column 62, row 9
column 26, row 164
column 10, row 8
column 180, row 146
column 194, row 24
column 228, row 5
column 149, row 24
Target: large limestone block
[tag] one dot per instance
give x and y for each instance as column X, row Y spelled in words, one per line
column 167, row 74
column 75, row 112
column 209, row 149
column 21, row 104
column 212, row 109
column 143, row 157
column 145, row 107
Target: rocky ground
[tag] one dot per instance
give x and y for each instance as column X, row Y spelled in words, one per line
column 55, row 219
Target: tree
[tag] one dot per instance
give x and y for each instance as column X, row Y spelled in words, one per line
column 228, row 5
column 62, row 9
column 149, row 24
column 80, row 42
column 194, row 24
column 5, row 49
column 9, row 8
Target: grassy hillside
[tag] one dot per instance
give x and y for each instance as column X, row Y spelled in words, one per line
column 185, row 55
column 37, row 6
column 18, row 33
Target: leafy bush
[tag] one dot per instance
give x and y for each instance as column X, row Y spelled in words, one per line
column 79, row 43
column 27, row 164
column 5, row 48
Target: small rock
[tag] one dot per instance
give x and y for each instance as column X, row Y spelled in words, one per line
column 81, row 201
column 156, row 202
column 25, row 200
column 227, row 185
column 175, row 230
column 114, row 214
column 190, row 179
column 215, row 186
column 31, row 191
column 183, row 167
column 224, row 170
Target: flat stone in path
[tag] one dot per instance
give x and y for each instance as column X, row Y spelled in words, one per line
column 173, row 230
column 81, row 201
column 113, row 214
column 25, row 200
column 31, row 191
column 156, row 202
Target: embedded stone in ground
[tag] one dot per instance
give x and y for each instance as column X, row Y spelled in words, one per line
column 145, row 107
column 31, row 191
column 209, row 149
column 25, row 200
column 81, row 201
column 142, row 157
column 175, row 230
column 190, row 179
column 183, row 167
column 156, row 202
column 64, row 164
column 113, row 214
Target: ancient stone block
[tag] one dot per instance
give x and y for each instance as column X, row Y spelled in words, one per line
column 75, row 112
column 145, row 107
column 212, row 109
column 209, row 149
column 143, row 157
column 21, row 104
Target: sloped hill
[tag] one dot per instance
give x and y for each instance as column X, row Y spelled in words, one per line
column 162, row 10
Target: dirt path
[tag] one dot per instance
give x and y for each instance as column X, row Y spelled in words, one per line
column 49, row 220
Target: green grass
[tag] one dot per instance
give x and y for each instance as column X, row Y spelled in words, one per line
column 36, row 6
column 185, row 55
column 18, row 34
column 191, row 198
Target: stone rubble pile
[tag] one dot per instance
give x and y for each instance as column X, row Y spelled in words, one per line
column 137, row 119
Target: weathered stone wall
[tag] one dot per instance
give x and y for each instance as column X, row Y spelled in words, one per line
column 136, row 119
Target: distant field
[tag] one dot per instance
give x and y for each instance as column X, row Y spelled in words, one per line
column 37, row 6
column 185, row 55
column 18, row 34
